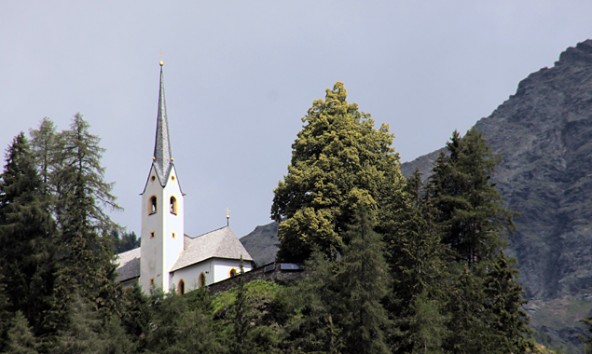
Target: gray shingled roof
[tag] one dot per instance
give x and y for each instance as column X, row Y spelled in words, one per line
column 221, row 243
column 128, row 265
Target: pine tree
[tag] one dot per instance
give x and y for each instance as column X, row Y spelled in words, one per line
column 339, row 161
column 26, row 234
column 20, row 338
column 364, row 280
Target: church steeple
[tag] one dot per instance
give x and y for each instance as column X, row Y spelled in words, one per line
column 162, row 146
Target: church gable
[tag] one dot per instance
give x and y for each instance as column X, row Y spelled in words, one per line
column 220, row 243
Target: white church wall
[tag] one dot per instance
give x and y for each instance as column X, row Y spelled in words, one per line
column 222, row 268
column 152, row 225
column 173, row 228
column 190, row 275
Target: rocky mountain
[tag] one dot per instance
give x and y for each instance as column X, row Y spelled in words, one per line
column 262, row 243
column 543, row 134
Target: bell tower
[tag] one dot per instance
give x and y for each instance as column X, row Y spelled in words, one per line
column 162, row 209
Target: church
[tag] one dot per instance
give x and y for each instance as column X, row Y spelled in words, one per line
column 167, row 258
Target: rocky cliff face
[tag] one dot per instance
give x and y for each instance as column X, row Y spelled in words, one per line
column 543, row 134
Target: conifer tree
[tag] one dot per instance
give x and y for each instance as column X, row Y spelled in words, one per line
column 312, row 326
column 504, row 300
column 82, row 332
column 20, row 338
column 82, row 221
column 5, row 313
column 242, row 321
column 339, row 161
column 45, row 144
column 26, row 232
column 471, row 220
column 417, row 259
column 363, row 277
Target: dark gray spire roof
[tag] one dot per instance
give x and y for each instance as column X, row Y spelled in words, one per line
column 162, row 147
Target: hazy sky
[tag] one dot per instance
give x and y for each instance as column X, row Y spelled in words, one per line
column 239, row 76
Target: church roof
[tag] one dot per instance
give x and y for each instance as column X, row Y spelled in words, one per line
column 163, row 159
column 220, row 243
column 128, row 265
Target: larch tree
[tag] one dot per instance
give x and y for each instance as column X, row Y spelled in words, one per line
column 85, row 253
column 339, row 161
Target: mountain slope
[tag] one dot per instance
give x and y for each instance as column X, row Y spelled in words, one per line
column 543, row 134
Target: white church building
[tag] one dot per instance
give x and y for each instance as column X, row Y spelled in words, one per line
column 168, row 259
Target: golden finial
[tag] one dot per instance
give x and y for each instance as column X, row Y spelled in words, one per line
column 227, row 217
column 161, row 55
column 162, row 63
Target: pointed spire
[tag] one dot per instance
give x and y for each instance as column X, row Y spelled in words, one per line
column 162, row 146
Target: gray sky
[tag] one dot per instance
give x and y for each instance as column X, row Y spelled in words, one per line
column 239, row 76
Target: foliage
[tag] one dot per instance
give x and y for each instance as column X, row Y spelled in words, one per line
column 339, row 162
column 124, row 241
column 485, row 299
column 26, row 229
column 20, row 337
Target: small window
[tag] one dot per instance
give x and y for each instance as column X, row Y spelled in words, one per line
column 153, row 178
column 152, row 282
column 173, row 178
column 152, row 234
column 202, row 280
column 232, row 272
column 152, row 205
column 181, row 287
column 174, row 235
column 173, row 205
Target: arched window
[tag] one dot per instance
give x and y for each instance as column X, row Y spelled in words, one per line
column 233, row 272
column 181, row 287
column 201, row 281
column 173, row 205
column 152, row 205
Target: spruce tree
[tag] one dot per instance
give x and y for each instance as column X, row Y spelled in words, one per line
column 363, row 277
column 339, row 161
column 472, row 221
column 26, row 234
column 311, row 326
column 20, row 337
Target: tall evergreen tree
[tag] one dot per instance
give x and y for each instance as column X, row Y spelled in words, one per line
column 312, row 327
column 26, row 232
column 417, row 259
column 339, row 161
column 471, row 220
column 363, row 277
column 85, row 254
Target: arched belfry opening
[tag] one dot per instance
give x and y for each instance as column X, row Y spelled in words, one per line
column 173, row 205
column 152, row 205
column 201, row 281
